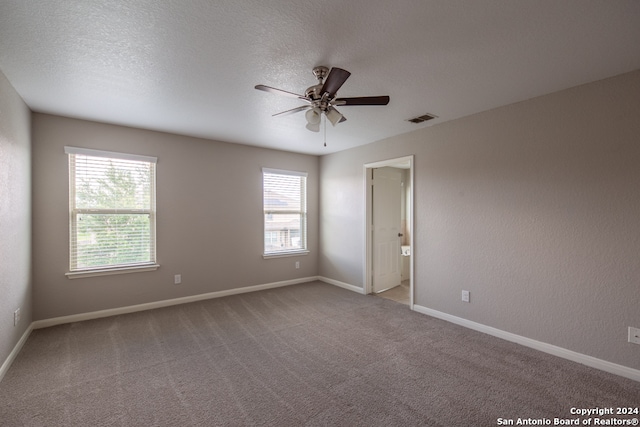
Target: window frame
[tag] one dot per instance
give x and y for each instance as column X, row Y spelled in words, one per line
column 74, row 211
column 303, row 212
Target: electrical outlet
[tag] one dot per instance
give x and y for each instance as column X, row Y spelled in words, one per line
column 465, row 296
column 177, row 279
column 16, row 317
column 297, row 264
column 634, row 335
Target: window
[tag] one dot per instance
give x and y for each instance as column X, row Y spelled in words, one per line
column 111, row 211
column 285, row 212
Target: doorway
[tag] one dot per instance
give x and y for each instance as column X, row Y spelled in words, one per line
column 389, row 227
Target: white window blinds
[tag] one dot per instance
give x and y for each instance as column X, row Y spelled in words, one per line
column 285, row 211
column 111, row 209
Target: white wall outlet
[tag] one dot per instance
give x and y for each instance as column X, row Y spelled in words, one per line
column 297, row 264
column 16, row 317
column 465, row 296
column 634, row 335
column 177, row 279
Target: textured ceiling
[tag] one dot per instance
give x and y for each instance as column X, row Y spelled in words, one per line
column 190, row 67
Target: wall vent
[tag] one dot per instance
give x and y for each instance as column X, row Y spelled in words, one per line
column 422, row 118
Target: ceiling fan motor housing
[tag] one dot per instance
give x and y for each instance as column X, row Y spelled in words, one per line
column 313, row 92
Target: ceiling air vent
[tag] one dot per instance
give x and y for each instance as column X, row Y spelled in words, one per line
column 422, row 118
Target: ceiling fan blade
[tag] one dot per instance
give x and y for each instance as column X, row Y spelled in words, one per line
column 362, row 100
column 279, row 91
column 335, row 79
column 293, row 110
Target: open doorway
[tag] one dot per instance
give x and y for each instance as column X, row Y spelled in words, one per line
column 389, row 229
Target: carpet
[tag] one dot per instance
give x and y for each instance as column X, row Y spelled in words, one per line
column 304, row 355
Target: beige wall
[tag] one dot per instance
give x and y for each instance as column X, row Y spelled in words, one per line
column 533, row 207
column 15, row 216
column 209, row 221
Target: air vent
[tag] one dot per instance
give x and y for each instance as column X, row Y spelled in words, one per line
column 422, row 118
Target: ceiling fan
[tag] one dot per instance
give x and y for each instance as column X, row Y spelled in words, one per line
column 321, row 98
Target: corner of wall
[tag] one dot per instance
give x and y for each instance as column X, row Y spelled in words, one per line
column 15, row 222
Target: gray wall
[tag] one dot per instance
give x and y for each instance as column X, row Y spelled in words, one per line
column 15, row 216
column 533, row 207
column 209, row 221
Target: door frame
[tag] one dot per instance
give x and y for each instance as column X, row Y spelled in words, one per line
column 368, row 238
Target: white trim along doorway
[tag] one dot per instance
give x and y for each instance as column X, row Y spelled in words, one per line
column 401, row 163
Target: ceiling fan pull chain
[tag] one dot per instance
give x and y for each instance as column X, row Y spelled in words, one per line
column 325, row 131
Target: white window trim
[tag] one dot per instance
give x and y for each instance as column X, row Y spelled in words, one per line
column 151, row 266
column 285, row 172
column 286, row 254
column 109, row 154
column 109, row 271
column 291, row 253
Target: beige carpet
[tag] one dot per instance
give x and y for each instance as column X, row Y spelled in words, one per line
column 310, row 354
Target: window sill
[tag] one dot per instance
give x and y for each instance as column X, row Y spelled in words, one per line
column 285, row 254
column 109, row 271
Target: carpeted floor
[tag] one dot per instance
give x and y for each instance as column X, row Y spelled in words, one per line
column 310, row 354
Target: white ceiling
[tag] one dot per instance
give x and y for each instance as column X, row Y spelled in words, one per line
column 190, row 67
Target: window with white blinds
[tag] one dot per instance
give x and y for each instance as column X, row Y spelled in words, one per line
column 285, row 211
column 111, row 210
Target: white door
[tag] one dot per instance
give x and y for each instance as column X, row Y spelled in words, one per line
column 387, row 186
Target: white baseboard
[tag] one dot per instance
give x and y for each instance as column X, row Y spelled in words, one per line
column 341, row 284
column 603, row 365
column 14, row 353
column 166, row 303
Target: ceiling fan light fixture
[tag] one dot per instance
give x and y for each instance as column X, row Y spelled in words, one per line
column 313, row 127
column 334, row 116
column 313, row 116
